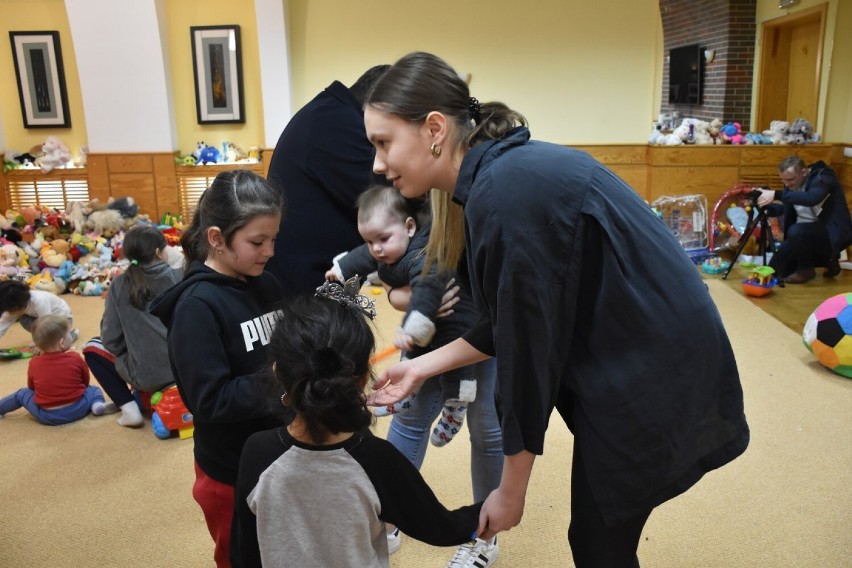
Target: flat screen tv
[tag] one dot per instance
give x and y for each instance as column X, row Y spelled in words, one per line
column 686, row 74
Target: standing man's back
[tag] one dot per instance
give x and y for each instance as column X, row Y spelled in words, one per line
column 322, row 162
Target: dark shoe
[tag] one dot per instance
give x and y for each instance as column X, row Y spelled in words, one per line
column 833, row 268
column 801, row 276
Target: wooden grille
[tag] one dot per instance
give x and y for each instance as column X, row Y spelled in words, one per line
column 53, row 190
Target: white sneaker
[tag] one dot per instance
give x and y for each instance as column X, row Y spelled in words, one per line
column 394, row 541
column 474, row 554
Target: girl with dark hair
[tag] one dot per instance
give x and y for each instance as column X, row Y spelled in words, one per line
column 587, row 301
column 131, row 349
column 219, row 320
column 319, row 491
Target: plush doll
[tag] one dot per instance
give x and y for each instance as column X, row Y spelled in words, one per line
column 89, row 288
column 209, row 155
column 83, row 158
column 9, row 259
column 56, row 253
column 234, row 153
column 55, row 154
column 777, row 131
column 124, row 205
column 732, row 133
column 105, row 223
column 800, row 131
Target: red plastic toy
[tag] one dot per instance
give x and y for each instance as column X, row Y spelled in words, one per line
column 169, row 414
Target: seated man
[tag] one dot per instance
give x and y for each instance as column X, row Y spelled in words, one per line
column 817, row 225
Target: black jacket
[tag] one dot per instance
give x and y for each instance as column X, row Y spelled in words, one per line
column 219, row 327
column 822, row 191
column 322, row 162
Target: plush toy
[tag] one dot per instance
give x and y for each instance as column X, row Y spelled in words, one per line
column 89, row 288
column 9, row 259
column 777, row 131
column 199, row 146
column 732, row 133
column 188, row 160
column 124, row 205
column 105, row 223
column 55, row 154
column 83, row 158
column 74, row 215
column 234, row 153
column 800, row 131
column 56, row 253
column 209, row 155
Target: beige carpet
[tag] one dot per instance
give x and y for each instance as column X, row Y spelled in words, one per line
column 96, row 494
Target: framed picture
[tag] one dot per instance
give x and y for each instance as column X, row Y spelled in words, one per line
column 218, row 70
column 41, row 79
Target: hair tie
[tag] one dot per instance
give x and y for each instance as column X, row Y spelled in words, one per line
column 473, row 108
column 134, row 262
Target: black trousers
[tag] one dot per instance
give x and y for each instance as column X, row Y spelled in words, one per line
column 806, row 245
column 594, row 544
column 105, row 373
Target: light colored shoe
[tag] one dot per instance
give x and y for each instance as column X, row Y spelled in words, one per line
column 475, row 554
column 394, row 541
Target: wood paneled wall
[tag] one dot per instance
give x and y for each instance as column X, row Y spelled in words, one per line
column 653, row 171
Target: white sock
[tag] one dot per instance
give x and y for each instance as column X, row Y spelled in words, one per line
column 450, row 422
column 130, row 415
column 98, row 408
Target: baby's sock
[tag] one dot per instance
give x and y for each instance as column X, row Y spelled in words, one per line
column 100, row 408
column 395, row 408
column 130, row 417
column 452, row 418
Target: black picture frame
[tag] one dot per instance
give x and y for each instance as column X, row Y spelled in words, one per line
column 41, row 79
column 218, row 71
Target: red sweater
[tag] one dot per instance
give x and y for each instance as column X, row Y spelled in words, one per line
column 58, row 378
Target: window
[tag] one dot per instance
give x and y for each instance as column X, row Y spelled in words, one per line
column 55, row 190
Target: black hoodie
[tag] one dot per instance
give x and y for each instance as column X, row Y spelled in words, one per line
column 219, row 328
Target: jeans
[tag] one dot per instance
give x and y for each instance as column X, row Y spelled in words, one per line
column 25, row 397
column 409, row 431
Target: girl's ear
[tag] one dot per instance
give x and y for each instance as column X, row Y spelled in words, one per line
column 410, row 226
column 436, row 125
column 214, row 237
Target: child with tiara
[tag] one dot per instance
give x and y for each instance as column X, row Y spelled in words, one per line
column 319, row 491
column 132, row 346
column 220, row 318
column 395, row 239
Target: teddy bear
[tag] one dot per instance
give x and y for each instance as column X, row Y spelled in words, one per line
column 777, row 131
column 9, row 259
column 55, row 154
column 56, row 253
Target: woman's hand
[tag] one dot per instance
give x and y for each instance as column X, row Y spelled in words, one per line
column 397, row 382
column 504, row 507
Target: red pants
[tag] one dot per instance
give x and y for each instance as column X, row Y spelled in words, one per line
column 217, row 503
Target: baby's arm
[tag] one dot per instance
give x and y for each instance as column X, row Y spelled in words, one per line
column 346, row 265
column 6, row 321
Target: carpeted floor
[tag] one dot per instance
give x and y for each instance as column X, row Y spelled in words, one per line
column 95, row 494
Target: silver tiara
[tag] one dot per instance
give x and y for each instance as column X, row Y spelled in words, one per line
column 348, row 295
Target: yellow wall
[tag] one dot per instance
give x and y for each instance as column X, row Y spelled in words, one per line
column 575, row 72
column 37, row 15
column 183, row 14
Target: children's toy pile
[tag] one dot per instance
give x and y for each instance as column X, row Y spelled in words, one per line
column 77, row 250
column 697, row 131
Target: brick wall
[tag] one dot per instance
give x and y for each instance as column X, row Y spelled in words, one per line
column 727, row 26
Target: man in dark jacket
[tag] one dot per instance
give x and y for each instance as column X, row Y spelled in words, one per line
column 322, row 162
column 817, row 224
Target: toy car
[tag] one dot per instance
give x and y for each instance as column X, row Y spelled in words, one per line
column 169, row 414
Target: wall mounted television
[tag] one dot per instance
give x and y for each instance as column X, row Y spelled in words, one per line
column 686, row 75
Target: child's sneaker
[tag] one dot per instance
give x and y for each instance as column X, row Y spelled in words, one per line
column 394, row 541
column 450, row 423
column 475, row 554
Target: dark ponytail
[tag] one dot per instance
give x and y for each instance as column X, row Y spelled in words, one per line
column 140, row 247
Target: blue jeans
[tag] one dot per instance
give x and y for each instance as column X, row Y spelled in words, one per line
column 409, row 431
column 25, row 397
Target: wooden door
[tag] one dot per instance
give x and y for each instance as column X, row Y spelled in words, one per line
column 790, row 68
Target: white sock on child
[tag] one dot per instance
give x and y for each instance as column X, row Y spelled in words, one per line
column 395, row 408
column 130, row 417
column 100, row 408
column 450, row 422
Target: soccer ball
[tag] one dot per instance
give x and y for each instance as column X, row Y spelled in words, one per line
column 828, row 334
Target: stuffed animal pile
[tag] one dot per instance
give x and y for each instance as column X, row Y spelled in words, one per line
column 696, row 131
column 77, row 250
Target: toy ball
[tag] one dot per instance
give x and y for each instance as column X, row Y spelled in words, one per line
column 828, row 334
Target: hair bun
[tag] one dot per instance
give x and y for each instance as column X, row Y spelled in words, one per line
column 326, row 362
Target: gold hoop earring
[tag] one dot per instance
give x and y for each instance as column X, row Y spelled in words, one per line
column 436, row 150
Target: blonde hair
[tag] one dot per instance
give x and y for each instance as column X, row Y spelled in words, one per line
column 48, row 330
column 446, row 240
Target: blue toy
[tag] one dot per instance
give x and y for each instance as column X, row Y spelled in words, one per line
column 209, row 155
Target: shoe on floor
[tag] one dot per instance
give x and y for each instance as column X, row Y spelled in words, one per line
column 801, row 276
column 833, row 268
column 475, row 554
column 394, row 541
